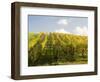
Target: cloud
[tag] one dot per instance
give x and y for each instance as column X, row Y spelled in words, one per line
column 62, row 22
column 81, row 30
column 62, row 31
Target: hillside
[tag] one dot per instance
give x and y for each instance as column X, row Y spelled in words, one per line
column 56, row 49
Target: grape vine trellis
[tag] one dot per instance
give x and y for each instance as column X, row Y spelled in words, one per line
column 57, row 49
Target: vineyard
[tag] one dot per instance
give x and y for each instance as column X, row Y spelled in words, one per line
column 56, row 49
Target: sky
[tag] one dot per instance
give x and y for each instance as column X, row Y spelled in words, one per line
column 60, row 24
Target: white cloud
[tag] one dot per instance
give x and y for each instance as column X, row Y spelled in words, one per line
column 81, row 30
column 62, row 31
column 62, row 22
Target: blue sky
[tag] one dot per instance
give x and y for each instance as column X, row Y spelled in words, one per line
column 61, row 24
